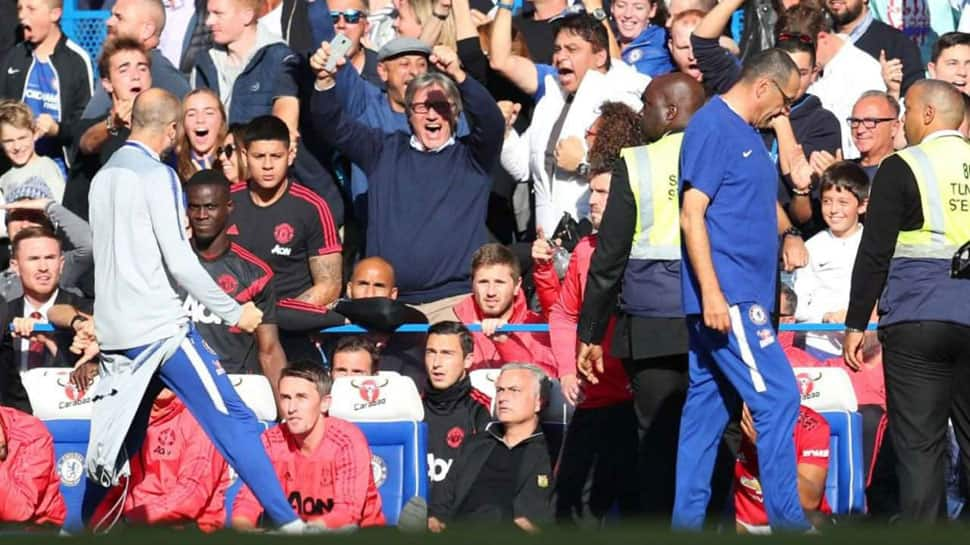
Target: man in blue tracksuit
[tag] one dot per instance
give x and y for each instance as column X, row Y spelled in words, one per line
column 729, row 221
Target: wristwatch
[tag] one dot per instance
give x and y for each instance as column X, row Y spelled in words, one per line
column 583, row 169
column 792, row 232
column 599, row 14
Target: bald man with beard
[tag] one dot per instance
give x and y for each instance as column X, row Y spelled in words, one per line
column 650, row 335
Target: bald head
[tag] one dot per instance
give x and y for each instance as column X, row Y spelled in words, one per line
column 932, row 105
column 669, row 102
column 154, row 109
column 373, row 277
column 142, row 20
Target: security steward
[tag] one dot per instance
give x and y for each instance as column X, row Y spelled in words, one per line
column 918, row 217
column 639, row 249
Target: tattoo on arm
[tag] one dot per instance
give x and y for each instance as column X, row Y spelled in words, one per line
column 326, row 273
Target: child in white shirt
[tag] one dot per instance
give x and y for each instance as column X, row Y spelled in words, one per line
column 823, row 285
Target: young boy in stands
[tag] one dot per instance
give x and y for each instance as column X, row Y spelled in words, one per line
column 17, row 137
column 822, row 286
column 50, row 73
column 496, row 300
column 323, row 463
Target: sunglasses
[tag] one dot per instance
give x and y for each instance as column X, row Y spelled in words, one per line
column 227, row 150
column 441, row 107
column 351, row 16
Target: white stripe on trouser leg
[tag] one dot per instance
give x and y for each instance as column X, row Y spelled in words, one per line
column 204, row 376
column 737, row 328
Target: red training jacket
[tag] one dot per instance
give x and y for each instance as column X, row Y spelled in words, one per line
column 522, row 347
column 566, row 304
column 333, row 485
column 178, row 477
column 28, row 477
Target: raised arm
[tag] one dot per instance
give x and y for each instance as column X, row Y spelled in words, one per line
column 361, row 144
column 519, row 70
column 713, row 24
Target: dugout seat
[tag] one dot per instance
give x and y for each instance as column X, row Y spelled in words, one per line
column 67, row 416
column 828, row 390
column 554, row 418
column 388, row 409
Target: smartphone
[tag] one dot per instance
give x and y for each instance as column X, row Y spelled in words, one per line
column 339, row 47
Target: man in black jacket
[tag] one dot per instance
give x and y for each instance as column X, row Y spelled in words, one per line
column 504, row 474
column 453, row 410
column 12, row 392
column 50, row 73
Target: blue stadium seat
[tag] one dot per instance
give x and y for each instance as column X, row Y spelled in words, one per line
column 388, row 409
column 845, row 485
column 829, row 392
column 70, row 446
column 399, row 462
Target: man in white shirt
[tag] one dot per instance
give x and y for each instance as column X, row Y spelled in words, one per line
column 847, row 73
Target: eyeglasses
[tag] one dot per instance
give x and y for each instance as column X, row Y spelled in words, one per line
column 351, row 16
column 227, row 150
column 867, row 122
column 424, row 107
column 795, row 37
column 787, row 100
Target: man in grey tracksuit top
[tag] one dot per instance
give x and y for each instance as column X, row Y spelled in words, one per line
column 140, row 249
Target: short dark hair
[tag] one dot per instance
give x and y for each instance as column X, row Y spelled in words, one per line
column 805, row 19
column 115, row 46
column 311, row 371
column 946, row 41
column 586, row 27
column 771, row 63
column 207, row 177
column 31, row 233
column 359, row 343
column 449, row 327
column 494, row 253
column 267, row 127
column 797, row 43
column 846, row 176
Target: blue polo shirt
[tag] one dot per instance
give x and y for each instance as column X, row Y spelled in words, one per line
column 725, row 158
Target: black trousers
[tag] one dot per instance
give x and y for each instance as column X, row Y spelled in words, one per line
column 597, row 466
column 927, row 367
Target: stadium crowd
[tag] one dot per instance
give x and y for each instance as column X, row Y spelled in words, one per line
column 589, row 165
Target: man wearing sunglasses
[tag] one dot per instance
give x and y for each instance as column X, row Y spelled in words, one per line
column 349, row 17
column 428, row 186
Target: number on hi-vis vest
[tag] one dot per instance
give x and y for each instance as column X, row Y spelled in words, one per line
column 672, row 188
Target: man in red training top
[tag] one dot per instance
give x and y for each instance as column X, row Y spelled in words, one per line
column 323, row 463
column 27, row 476
column 496, row 300
column 601, row 442
column 178, row 477
column 812, row 456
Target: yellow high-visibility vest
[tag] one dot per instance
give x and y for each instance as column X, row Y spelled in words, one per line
column 653, row 171
column 942, row 171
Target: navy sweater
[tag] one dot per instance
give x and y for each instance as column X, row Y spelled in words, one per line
column 426, row 210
